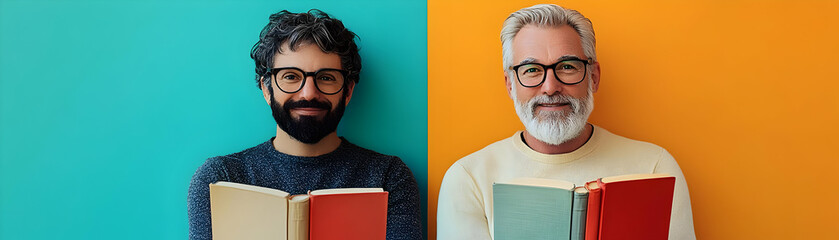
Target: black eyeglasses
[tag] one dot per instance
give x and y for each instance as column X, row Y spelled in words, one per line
column 569, row 71
column 291, row 79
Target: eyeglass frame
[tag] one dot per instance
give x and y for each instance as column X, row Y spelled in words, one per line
column 272, row 72
column 553, row 67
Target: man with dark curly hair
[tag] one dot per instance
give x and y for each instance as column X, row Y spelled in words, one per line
column 307, row 65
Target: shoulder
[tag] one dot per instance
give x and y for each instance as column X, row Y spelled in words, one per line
column 219, row 167
column 483, row 162
column 492, row 152
column 359, row 153
column 391, row 167
column 395, row 174
column 630, row 147
column 639, row 152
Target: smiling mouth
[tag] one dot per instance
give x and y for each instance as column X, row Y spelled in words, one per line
column 553, row 104
column 308, row 111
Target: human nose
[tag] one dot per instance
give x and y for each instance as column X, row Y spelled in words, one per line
column 310, row 90
column 551, row 84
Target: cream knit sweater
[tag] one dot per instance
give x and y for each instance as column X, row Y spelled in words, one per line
column 464, row 209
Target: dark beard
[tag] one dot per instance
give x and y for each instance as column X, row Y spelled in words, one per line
column 307, row 129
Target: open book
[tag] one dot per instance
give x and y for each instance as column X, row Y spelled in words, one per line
column 241, row 211
column 622, row 207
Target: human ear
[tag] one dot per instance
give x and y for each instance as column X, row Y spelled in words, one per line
column 509, row 84
column 595, row 76
column 265, row 92
column 350, row 88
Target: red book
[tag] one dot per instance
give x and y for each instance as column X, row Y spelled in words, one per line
column 593, row 210
column 359, row 213
column 636, row 207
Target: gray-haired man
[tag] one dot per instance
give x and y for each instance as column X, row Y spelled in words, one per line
column 551, row 75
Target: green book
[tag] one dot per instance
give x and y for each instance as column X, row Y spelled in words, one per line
column 534, row 209
column 578, row 213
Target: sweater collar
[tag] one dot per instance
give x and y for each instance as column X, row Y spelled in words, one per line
column 268, row 148
column 561, row 158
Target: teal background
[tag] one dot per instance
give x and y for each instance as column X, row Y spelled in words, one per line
column 108, row 107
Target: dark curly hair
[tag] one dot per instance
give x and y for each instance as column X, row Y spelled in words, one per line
column 296, row 29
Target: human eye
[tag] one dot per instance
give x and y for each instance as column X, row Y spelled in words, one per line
column 530, row 70
column 290, row 77
column 326, row 78
column 569, row 66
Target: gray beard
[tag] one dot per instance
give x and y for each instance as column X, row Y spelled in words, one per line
column 554, row 128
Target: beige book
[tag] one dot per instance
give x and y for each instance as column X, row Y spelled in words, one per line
column 241, row 211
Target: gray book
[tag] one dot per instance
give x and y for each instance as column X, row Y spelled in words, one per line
column 578, row 213
column 531, row 208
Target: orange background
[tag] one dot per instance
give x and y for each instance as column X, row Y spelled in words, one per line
column 742, row 93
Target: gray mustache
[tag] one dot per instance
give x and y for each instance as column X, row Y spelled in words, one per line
column 557, row 98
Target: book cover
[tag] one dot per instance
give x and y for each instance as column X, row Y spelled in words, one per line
column 578, row 213
column 240, row 211
column 348, row 214
column 532, row 209
column 636, row 207
column 592, row 211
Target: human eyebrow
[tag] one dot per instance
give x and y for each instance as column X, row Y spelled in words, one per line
column 569, row 57
column 527, row 60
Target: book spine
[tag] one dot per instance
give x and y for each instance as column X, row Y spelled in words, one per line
column 592, row 229
column 578, row 216
column 298, row 220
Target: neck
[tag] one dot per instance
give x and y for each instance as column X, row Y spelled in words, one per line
column 284, row 143
column 566, row 147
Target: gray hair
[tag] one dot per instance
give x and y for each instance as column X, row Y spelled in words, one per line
column 546, row 15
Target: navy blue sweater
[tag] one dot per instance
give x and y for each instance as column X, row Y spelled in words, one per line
column 349, row 166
